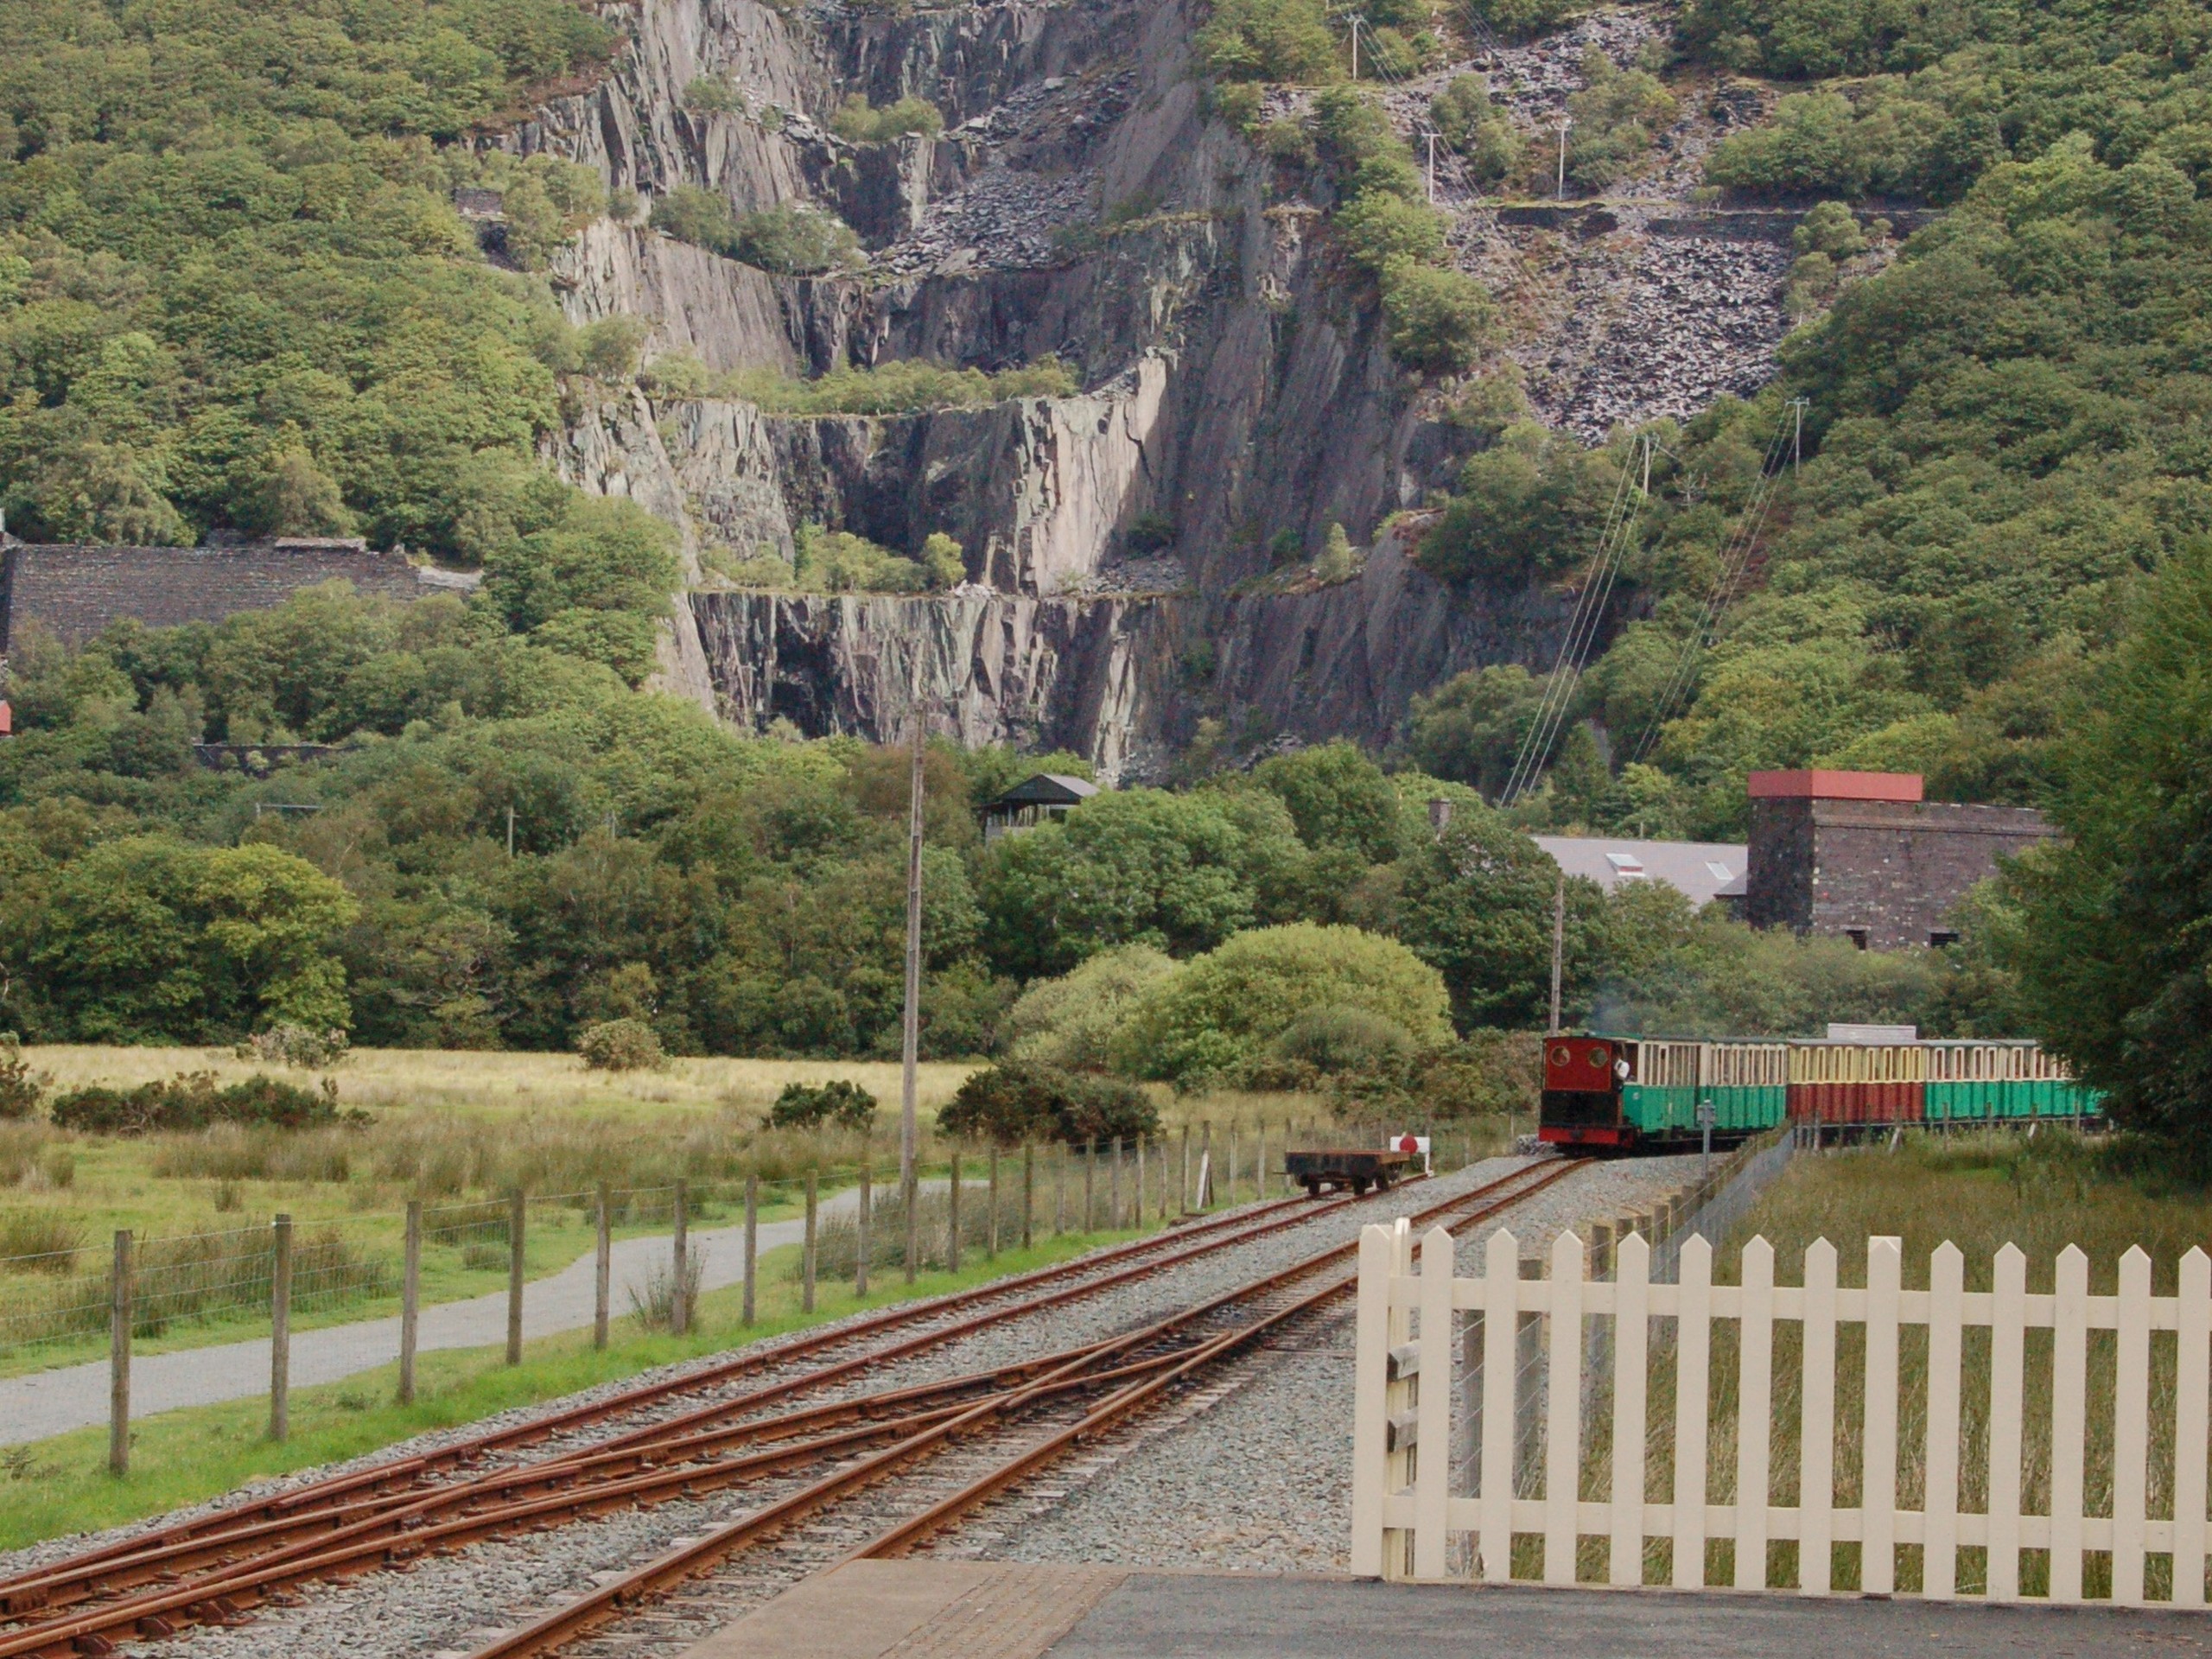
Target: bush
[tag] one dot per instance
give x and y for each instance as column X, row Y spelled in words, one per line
column 1485, row 135
column 620, row 1045
column 1071, row 1022
column 306, row 1046
column 1438, row 319
column 789, row 240
column 1220, row 1011
column 1337, row 1039
column 1378, row 228
column 21, row 1088
column 1269, row 39
column 1615, row 118
column 838, row 561
column 713, row 95
column 1022, row 1101
column 857, row 123
column 1519, row 20
column 191, row 1100
column 810, row 1105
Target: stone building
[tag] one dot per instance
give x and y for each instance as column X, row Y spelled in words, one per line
column 1860, row 854
column 75, row 592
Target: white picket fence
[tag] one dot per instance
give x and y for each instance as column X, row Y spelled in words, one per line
column 1408, row 1416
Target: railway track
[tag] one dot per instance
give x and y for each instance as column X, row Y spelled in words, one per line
column 705, row 1429
column 858, row 1503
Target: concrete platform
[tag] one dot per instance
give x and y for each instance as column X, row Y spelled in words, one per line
column 985, row 1609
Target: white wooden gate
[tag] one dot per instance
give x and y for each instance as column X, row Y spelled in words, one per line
column 1407, row 1521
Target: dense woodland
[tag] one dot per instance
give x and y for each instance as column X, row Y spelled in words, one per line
column 234, row 294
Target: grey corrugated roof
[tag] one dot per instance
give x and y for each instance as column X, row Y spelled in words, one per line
column 1047, row 789
column 1702, row 869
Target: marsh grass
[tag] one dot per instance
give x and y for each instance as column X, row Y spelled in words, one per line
column 1978, row 1190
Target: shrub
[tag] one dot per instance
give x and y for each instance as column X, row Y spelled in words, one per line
column 192, row 1100
column 1219, row 1011
column 794, row 241
column 1519, row 20
column 713, row 95
column 789, row 240
column 306, row 1046
column 1148, row 532
column 1237, row 102
column 1615, row 117
column 22, row 1086
column 810, row 1105
column 1340, row 560
column 857, row 123
column 620, row 1045
column 838, row 561
column 1020, row 1101
column 1269, row 39
column 1377, row 228
column 1335, row 1039
column 1485, row 135
column 1438, row 318
column 1073, row 1021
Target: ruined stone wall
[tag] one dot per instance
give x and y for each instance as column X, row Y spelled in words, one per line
column 75, row 592
column 1892, row 870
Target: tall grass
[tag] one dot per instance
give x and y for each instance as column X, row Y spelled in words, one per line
column 1978, row 1190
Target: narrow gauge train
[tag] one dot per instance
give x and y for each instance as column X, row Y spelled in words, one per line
column 1625, row 1094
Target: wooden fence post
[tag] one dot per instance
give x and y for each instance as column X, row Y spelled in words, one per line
column 1114, row 1189
column 118, row 1359
column 410, row 1298
column 1817, row 1443
column 1755, row 1413
column 1182, row 1198
column 952, row 1219
column 991, row 1235
column 1140, row 1205
column 1946, row 1297
column 1028, row 1190
column 1501, row 1331
column 679, row 1303
column 1693, row 1423
column 806, row 1249
column 860, row 1230
column 280, row 1330
column 2192, row 1423
column 1260, row 1163
column 1631, row 1417
column 602, row 1265
column 1432, row 1410
column 1060, row 1187
column 1563, row 1420
column 1205, row 1164
column 751, row 1243
column 1370, row 1389
column 516, row 1210
column 2070, row 1355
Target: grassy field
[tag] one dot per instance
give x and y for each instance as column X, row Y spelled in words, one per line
column 60, row 1486
column 459, row 1131
column 1978, row 1190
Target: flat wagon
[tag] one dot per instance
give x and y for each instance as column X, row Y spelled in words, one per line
column 1335, row 1168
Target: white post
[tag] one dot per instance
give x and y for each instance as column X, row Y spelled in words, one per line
column 1432, row 1441
column 1563, row 1427
column 1877, row 1504
column 1631, row 1335
column 1816, row 1483
column 2192, row 1424
column 2130, row 1456
column 2069, row 1364
column 1370, row 1409
column 2007, row 1346
column 1500, row 1316
column 1754, row 1414
column 1946, row 1306
column 1693, row 1386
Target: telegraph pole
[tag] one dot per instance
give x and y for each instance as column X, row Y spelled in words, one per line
column 1431, row 138
column 1356, row 21
column 1565, row 122
column 1558, row 945
column 1797, row 436
column 910, row 1046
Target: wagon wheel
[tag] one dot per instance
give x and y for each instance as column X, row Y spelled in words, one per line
column 1359, row 1186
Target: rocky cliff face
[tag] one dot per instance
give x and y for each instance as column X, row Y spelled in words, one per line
column 1081, row 203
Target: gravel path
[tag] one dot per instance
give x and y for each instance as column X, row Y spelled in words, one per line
column 1258, row 1478
column 449, row 1604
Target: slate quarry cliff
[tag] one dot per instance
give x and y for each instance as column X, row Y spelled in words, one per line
column 1234, row 401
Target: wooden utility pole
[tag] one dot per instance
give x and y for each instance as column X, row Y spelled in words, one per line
column 280, row 1330
column 1559, row 945
column 410, row 1298
column 118, row 1362
column 1564, row 124
column 603, row 1267
column 910, row 1038
column 516, row 1212
column 679, row 1305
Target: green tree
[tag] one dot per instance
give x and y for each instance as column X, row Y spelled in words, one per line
column 1471, row 727
column 2114, row 948
column 149, row 939
column 1219, row 1011
column 1337, row 797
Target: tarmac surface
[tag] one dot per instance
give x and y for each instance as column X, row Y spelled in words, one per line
column 927, row 1609
column 41, row 1403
